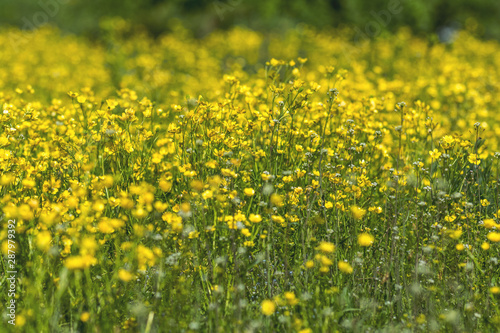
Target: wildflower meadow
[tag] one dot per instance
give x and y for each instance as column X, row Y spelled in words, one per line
column 302, row 181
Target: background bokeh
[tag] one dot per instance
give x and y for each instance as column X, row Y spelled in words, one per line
column 204, row 16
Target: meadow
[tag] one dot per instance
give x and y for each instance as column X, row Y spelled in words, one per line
column 249, row 182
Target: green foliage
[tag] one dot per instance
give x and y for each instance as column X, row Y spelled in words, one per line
column 203, row 16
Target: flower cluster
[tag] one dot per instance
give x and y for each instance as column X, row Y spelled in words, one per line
column 258, row 180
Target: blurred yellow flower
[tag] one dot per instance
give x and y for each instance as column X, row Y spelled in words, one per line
column 80, row 262
column 249, row 192
column 494, row 237
column 326, row 247
column 357, row 212
column 43, row 240
column 365, row 239
column 125, row 275
column 345, row 267
column 268, row 307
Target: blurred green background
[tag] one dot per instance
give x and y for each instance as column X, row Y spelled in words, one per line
column 203, row 16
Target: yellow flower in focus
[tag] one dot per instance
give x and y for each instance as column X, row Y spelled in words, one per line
column 268, row 307
column 460, row 247
column 485, row 246
column 365, row 239
column 447, row 142
column 435, row 154
column 473, row 159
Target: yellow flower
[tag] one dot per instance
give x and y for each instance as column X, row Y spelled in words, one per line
column 450, row 218
column 490, row 224
column 365, row 239
column 145, row 257
column 7, row 179
column 277, row 200
column 290, row 298
column 246, row 232
column 345, row 267
column 85, row 316
column 325, row 261
column 495, row 290
column 80, row 262
column 328, row 205
column 196, row 185
column 6, row 246
column 265, row 176
column 357, row 212
column 421, row 319
column 165, row 185
column 485, row 246
column 435, row 154
column 460, row 247
column 268, row 307
column 125, row 275
column 43, row 240
column 326, row 247
column 473, row 159
column 255, row 218
column 455, row 234
column 4, row 141
column 494, row 237
column 249, row 192
column 20, row 320
column 207, row 195
column 447, row 142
